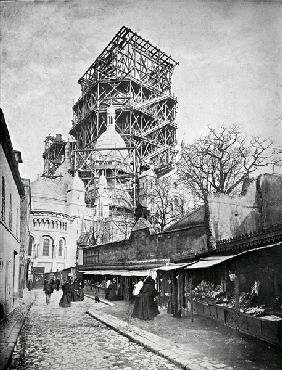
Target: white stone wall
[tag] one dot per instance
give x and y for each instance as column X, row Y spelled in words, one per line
column 58, row 212
column 233, row 216
column 9, row 238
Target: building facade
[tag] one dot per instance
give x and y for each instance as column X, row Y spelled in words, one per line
column 12, row 191
column 58, row 216
column 24, row 232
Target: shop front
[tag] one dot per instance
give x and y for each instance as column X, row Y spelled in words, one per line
column 122, row 281
column 242, row 291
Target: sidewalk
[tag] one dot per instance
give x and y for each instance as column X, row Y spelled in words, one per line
column 11, row 327
column 204, row 343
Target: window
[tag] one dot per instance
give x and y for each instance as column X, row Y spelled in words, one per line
column 3, row 199
column 61, row 248
column 30, row 244
column 11, row 213
column 46, row 247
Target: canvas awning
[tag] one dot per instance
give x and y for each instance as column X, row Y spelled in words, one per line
column 215, row 260
column 208, row 262
column 171, row 267
column 118, row 272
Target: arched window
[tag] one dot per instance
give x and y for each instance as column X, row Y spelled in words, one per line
column 46, row 246
column 30, row 244
column 61, row 244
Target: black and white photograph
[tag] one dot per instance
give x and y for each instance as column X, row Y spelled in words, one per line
column 141, row 185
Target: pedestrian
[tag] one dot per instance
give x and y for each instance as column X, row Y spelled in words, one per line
column 29, row 285
column 108, row 283
column 52, row 282
column 147, row 307
column 48, row 289
column 66, row 298
column 58, row 283
column 112, row 291
column 136, row 290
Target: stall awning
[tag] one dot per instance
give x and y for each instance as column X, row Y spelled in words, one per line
column 171, row 267
column 118, row 272
column 208, row 262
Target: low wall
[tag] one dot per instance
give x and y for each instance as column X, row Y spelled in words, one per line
column 270, row 331
column 143, row 246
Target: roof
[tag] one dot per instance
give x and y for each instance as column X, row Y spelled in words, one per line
column 118, row 272
column 194, row 218
column 7, row 146
column 212, row 261
column 171, row 267
column 122, row 38
column 141, row 224
column 208, row 262
column 44, row 189
column 85, row 238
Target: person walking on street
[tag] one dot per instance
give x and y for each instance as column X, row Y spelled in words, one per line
column 65, row 300
column 147, row 306
column 48, row 289
column 58, row 284
column 29, row 285
column 137, row 288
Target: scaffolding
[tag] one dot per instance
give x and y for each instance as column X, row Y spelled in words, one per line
column 135, row 77
column 54, row 154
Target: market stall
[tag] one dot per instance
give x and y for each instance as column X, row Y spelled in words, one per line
column 235, row 291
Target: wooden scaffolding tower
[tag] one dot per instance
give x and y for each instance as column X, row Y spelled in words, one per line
column 135, row 77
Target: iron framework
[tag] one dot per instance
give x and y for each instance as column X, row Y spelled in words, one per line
column 54, row 154
column 136, row 77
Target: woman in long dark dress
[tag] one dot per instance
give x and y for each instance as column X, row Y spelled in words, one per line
column 147, row 308
column 112, row 296
column 65, row 301
column 76, row 295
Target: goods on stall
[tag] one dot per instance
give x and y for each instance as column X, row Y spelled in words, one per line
column 209, row 291
column 254, row 311
column 271, row 318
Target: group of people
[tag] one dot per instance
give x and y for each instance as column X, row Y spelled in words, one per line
column 72, row 290
column 112, row 290
column 49, row 287
column 144, row 293
column 145, row 305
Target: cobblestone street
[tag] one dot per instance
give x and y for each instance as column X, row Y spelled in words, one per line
column 67, row 338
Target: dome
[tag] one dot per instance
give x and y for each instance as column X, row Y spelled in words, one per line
column 111, row 139
column 51, row 188
column 48, row 194
column 76, row 183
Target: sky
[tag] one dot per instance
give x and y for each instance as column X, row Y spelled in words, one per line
column 229, row 55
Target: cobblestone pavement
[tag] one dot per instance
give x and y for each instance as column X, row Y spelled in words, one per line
column 67, row 338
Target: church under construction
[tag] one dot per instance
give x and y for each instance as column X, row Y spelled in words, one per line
column 123, row 122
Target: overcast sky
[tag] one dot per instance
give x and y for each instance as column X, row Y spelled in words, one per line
column 228, row 52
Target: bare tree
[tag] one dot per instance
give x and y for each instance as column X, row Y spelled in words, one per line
column 167, row 200
column 221, row 161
